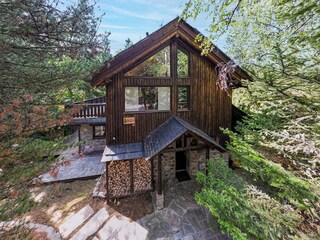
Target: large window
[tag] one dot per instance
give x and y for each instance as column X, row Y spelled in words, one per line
column 157, row 65
column 183, row 97
column 147, row 98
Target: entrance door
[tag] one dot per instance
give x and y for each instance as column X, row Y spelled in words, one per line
column 181, row 166
column 181, row 161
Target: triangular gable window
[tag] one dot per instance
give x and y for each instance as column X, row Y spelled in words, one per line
column 158, row 65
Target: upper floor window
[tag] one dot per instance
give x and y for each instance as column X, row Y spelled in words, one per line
column 183, row 97
column 182, row 64
column 147, row 98
column 157, row 65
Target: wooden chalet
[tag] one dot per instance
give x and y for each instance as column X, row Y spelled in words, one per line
column 164, row 111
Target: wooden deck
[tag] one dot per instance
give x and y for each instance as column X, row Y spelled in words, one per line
column 92, row 108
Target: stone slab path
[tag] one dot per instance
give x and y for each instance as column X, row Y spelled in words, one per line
column 92, row 226
column 75, row 221
column 100, row 226
column 183, row 218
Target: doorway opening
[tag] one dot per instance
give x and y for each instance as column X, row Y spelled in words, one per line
column 181, row 166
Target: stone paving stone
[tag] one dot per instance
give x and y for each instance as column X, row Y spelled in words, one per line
column 175, row 207
column 173, row 219
column 110, row 227
column 188, row 237
column 191, row 218
column 207, row 234
column 132, row 231
column 177, row 235
column 75, row 221
column 187, row 228
column 51, row 233
column 92, row 225
column 156, row 232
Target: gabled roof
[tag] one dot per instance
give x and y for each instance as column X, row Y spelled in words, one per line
column 157, row 140
column 176, row 28
column 170, row 131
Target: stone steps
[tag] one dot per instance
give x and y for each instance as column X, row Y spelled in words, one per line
column 75, row 221
column 92, row 226
column 85, row 224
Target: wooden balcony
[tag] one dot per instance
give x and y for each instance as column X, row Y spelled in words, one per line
column 91, row 108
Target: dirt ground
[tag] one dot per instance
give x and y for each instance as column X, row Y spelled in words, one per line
column 58, row 201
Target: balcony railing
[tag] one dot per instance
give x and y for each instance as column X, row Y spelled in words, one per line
column 91, row 108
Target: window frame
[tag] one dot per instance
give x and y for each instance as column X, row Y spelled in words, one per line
column 146, row 59
column 94, row 132
column 147, row 111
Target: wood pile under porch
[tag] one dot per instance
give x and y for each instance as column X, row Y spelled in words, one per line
column 128, row 173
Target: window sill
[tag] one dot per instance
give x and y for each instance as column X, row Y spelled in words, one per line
column 183, row 110
column 95, row 138
column 150, row 111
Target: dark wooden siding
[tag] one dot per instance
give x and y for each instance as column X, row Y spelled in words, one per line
column 210, row 108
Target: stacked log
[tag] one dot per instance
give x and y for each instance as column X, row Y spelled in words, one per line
column 142, row 175
column 119, row 178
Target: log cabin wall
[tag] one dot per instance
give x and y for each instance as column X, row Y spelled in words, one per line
column 210, row 107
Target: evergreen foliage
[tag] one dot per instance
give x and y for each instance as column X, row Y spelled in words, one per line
column 48, row 49
column 277, row 43
column 242, row 210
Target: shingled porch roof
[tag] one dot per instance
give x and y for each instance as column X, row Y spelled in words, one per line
column 157, row 140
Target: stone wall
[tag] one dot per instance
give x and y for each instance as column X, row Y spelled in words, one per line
column 168, row 166
column 90, row 144
column 197, row 162
column 213, row 154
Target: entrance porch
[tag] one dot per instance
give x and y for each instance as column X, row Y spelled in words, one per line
column 174, row 150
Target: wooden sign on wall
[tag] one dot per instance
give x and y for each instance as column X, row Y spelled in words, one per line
column 129, row 120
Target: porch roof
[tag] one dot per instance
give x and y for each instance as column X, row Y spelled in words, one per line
column 93, row 121
column 157, row 140
column 123, row 152
column 170, row 131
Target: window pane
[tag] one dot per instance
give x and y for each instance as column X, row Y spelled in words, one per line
column 183, row 97
column 131, row 99
column 164, row 98
column 99, row 131
column 156, row 66
column 147, row 98
column 183, row 64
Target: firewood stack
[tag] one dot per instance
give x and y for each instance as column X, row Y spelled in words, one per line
column 141, row 175
column 119, row 178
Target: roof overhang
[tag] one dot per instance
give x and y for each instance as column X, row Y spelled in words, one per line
column 176, row 28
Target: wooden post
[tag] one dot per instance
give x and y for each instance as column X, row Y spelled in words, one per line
column 159, row 174
column 105, row 114
column 173, row 56
column 131, row 176
column 152, row 173
column 107, row 182
column 79, row 139
column 207, row 158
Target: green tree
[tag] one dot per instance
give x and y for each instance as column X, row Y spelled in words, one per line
column 277, row 43
column 127, row 43
column 46, row 47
